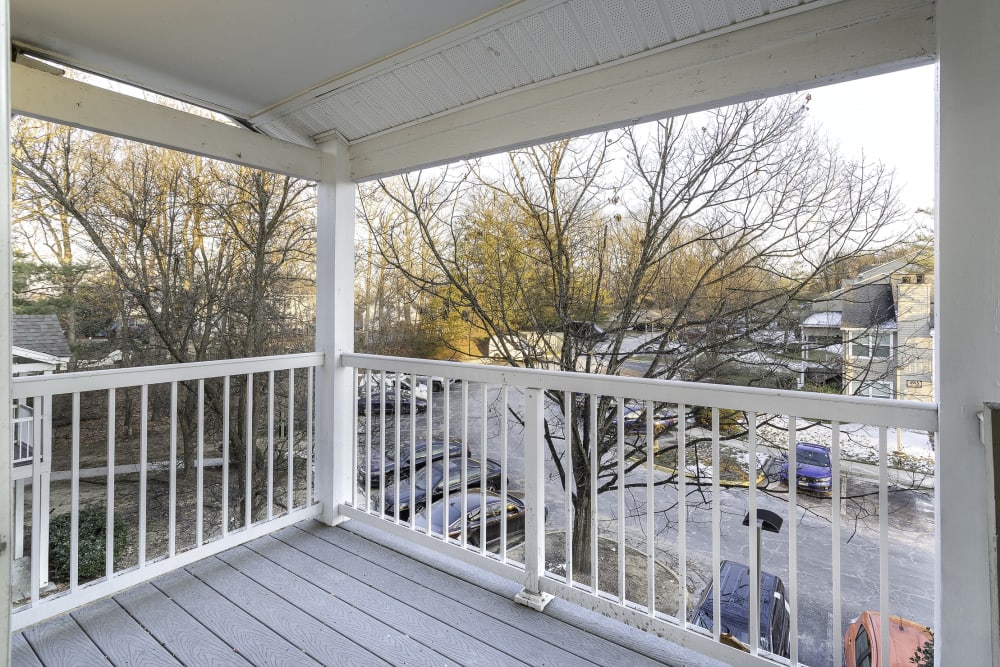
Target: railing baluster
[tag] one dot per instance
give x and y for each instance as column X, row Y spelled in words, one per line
column 753, row 534
column 46, row 475
column 172, row 500
column 369, row 421
column 74, row 500
column 568, row 435
column 310, row 399
column 883, row 541
column 793, row 543
column 482, row 487
column 620, row 435
column 504, row 396
column 464, row 477
column 200, row 492
column 270, row 446
column 835, row 533
column 225, row 455
column 446, row 416
column 396, row 435
column 716, row 529
column 290, row 444
column 143, row 472
column 682, row 513
column 650, row 513
column 109, row 526
column 427, row 466
column 382, row 486
column 36, row 501
column 411, row 477
column 248, row 450
column 595, row 513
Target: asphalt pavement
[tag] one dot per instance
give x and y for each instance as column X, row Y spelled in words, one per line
column 910, row 540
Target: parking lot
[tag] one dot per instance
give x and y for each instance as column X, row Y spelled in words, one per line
column 910, row 540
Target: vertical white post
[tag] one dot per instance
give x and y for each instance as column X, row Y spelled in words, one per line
column 967, row 367
column 7, row 513
column 335, row 430
column 534, row 501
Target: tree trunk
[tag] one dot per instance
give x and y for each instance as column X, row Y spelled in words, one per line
column 582, row 527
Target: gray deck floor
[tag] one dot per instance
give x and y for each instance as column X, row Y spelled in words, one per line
column 315, row 595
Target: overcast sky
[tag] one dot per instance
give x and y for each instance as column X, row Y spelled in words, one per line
column 890, row 118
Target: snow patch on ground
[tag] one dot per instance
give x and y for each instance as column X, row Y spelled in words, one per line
column 859, row 442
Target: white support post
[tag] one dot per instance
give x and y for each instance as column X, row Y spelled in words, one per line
column 534, row 501
column 967, row 366
column 335, row 430
column 7, row 513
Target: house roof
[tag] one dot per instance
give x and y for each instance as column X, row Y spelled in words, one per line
column 868, row 305
column 40, row 333
column 823, row 319
column 406, row 83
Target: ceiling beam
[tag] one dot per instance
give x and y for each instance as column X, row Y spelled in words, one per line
column 834, row 42
column 61, row 100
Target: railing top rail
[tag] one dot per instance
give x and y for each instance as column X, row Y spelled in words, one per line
column 846, row 409
column 64, row 383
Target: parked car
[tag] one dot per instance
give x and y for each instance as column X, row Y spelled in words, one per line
column 862, row 647
column 474, row 477
column 813, row 468
column 441, row 383
column 734, row 591
column 385, row 465
column 392, row 382
column 387, row 402
column 439, row 516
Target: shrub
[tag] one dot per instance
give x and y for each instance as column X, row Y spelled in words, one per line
column 924, row 656
column 91, row 546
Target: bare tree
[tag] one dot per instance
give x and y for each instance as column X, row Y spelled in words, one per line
column 209, row 260
column 712, row 227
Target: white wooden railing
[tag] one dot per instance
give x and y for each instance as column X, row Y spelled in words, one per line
column 116, row 443
column 691, row 521
column 149, row 455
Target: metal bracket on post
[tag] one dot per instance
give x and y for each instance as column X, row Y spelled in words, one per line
column 534, row 501
column 989, row 423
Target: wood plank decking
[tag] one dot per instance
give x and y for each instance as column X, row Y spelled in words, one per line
column 315, row 595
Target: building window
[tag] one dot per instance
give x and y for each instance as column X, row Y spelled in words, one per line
column 875, row 389
column 872, row 346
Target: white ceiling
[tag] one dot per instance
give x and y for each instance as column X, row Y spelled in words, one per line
column 306, row 70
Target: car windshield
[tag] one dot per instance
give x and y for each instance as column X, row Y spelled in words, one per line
column 454, row 475
column 436, row 474
column 813, row 457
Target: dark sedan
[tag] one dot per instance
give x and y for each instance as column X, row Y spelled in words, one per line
column 438, row 481
column 734, row 611
column 387, row 465
column 496, row 509
column 386, row 402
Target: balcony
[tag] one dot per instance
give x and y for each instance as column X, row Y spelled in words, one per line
column 215, row 472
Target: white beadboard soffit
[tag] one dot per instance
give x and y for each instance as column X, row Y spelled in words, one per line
column 560, row 40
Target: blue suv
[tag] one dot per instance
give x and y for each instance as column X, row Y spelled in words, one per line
column 812, row 467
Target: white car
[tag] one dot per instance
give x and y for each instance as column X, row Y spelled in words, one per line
column 403, row 380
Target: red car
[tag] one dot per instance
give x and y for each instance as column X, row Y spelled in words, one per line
column 862, row 647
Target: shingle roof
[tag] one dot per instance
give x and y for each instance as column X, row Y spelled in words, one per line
column 868, row 305
column 41, row 333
